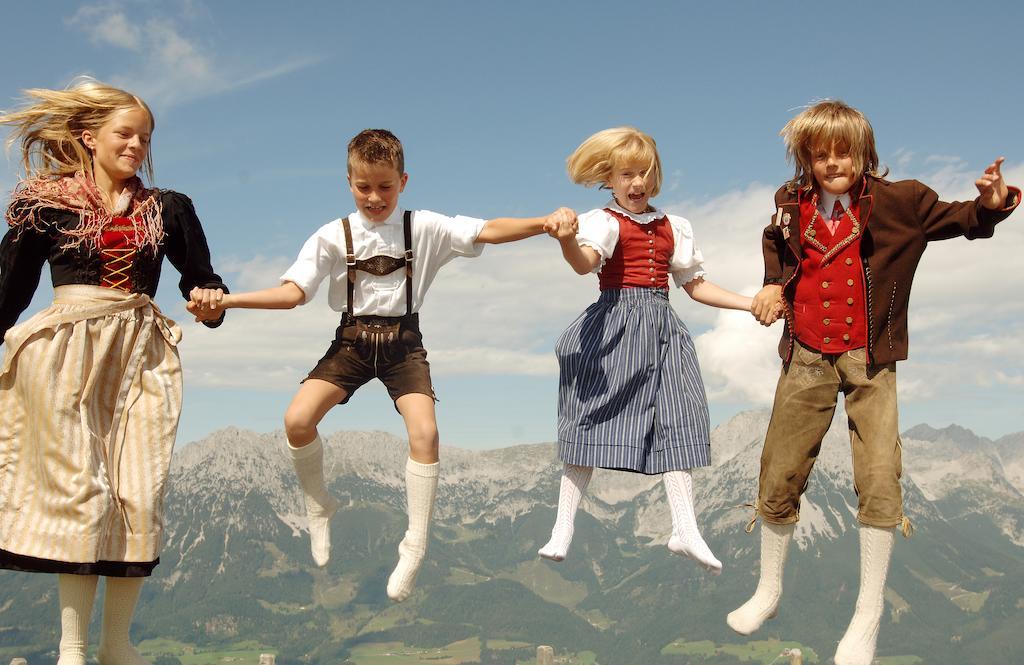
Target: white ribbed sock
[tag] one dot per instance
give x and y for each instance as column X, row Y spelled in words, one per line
column 120, row 597
column 765, row 602
column 574, row 484
column 77, row 593
column 420, row 491
column 686, row 539
column 320, row 505
column 858, row 644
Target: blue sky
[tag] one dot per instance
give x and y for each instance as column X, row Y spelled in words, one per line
column 255, row 103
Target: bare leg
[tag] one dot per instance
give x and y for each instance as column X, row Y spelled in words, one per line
column 686, row 539
column 574, row 483
column 421, row 473
column 77, row 593
column 314, row 399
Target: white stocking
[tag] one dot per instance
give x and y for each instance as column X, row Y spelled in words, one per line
column 765, row 602
column 858, row 644
column 574, row 484
column 420, row 492
column 77, row 593
column 686, row 539
column 120, row 597
column 320, row 505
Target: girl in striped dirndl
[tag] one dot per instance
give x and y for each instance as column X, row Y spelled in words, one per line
column 90, row 387
column 630, row 394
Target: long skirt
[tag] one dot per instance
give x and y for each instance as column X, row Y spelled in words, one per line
column 630, row 396
column 90, row 392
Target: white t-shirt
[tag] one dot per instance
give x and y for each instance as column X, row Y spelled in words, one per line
column 436, row 240
column 600, row 231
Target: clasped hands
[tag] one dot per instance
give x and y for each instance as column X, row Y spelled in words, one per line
column 768, row 305
column 205, row 304
column 562, row 224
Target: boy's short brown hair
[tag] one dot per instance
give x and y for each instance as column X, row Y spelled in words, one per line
column 828, row 123
column 376, row 146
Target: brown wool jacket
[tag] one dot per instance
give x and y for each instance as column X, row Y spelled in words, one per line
column 898, row 219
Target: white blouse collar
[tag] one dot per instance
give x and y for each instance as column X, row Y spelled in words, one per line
column 642, row 218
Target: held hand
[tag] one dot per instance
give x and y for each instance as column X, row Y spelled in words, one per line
column 562, row 223
column 206, row 304
column 204, row 314
column 767, row 305
column 991, row 186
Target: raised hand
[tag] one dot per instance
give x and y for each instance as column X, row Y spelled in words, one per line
column 991, row 186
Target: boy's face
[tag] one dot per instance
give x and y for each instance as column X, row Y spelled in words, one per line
column 632, row 185
column 375, row 188
column 833, row 168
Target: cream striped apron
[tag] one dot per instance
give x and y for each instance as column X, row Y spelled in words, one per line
column 90, row 394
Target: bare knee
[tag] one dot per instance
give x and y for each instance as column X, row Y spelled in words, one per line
column 423, row 441
column 299, row 426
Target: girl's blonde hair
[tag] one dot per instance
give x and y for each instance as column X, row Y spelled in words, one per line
column 593, row 162
column 829, row 123
column 49, row 126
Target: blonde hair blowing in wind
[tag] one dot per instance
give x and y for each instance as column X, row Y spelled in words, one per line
column 829, row 123
column 594, row 160
column 49, row 126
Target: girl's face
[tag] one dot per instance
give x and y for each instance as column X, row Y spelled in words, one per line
column 632, row 184
column 120, row 146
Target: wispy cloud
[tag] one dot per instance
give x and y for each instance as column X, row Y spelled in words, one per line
column 170, row 62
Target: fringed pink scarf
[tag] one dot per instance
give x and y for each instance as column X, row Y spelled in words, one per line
column 78, row 193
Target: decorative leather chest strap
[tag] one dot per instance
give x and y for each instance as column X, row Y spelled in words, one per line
column 379, row 265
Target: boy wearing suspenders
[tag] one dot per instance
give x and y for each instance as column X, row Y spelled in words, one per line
column 380, row 261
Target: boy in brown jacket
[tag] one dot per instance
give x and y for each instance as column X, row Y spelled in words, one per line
column 841, row 253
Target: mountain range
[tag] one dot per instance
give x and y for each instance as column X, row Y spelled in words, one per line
column 236, row 565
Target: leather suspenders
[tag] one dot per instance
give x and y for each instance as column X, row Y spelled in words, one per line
column 379, row 265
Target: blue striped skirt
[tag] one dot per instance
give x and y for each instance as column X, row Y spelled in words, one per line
column 630, row 396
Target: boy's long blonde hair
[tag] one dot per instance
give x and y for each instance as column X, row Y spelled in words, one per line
column 49, row 126
column 828, row 123
column 594, row 160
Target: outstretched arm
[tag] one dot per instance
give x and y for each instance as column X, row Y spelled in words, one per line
column 508, row 229
column 205, row 305
column 709, row 293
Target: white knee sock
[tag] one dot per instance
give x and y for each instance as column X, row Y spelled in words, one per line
column 77, row 593
column 765, row 601
column 420, row 491
column 858, row 644
column 686, row 539
column 574, row 484
column 320, row 505
column 119, row 601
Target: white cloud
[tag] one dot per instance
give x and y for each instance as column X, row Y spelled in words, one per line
column 169, row 65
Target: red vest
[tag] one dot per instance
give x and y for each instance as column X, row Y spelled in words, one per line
column 641, row 257
column 829, row 307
